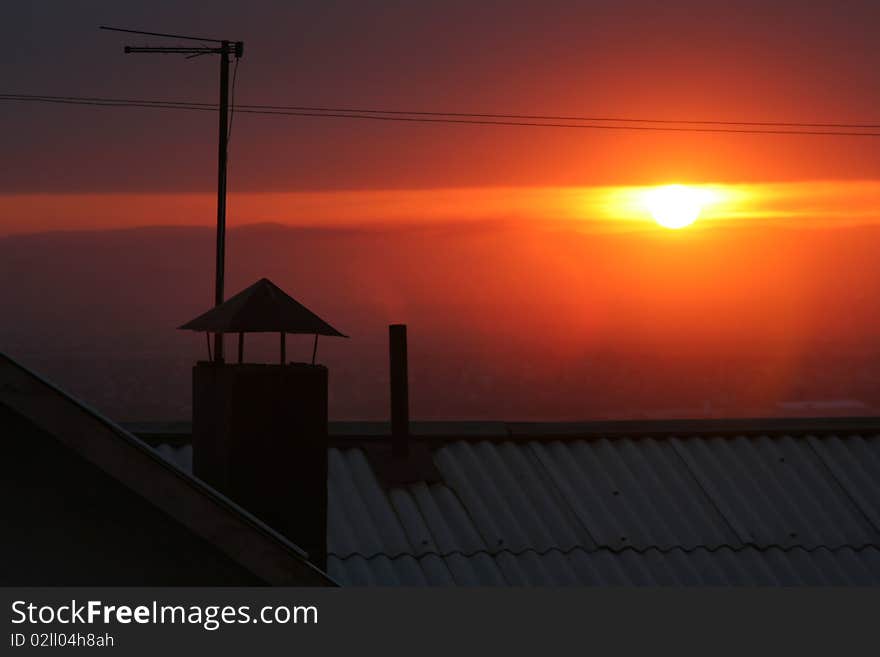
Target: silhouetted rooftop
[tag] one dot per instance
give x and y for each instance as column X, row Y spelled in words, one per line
column 127, row 460
column 261, row 308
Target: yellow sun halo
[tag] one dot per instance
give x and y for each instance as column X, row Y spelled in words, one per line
column 675, row 206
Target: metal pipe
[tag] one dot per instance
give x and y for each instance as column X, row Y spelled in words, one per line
column 399, row 390
column 222, row 136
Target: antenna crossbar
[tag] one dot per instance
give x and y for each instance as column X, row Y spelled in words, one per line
column 173, row 50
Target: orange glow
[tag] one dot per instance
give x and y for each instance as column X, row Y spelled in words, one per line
column 605, row 209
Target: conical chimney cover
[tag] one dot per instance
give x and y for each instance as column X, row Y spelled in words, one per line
column 262, row 308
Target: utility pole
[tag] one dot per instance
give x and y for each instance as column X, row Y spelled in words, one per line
column 224, row 49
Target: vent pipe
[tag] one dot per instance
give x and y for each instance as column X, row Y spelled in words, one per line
column 399, row 391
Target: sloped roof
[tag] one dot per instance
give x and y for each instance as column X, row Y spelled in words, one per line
column 261, row 308
column 525, row 507
column 133, row 463
column 648, row 511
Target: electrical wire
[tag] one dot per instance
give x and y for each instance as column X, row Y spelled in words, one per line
column 515, row 120
column 535, row 124
column 535, row 117
column 232, row 101
column 540, row 117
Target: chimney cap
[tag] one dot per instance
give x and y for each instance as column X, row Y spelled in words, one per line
column 261, row 308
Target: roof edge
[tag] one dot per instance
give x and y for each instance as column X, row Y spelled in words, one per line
column 307, row 570
column 355, row 433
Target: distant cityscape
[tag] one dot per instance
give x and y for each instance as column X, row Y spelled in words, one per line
column 495, row 332
column 156, row 387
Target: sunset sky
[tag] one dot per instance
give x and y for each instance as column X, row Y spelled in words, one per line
column 522, row 258
column 70, row 167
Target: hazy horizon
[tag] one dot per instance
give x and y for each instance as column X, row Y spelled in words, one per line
column 730, row 325
column 609, row 208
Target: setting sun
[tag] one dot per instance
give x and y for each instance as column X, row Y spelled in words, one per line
column 675, row 206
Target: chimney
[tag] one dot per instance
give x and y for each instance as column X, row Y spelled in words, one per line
column 260, row 438
column 399, row 391
column 260, row 430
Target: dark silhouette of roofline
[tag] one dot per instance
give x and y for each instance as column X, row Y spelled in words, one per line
column 131, row 461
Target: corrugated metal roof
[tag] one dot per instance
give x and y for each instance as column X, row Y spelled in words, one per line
column 621, row 511
column 700, row 567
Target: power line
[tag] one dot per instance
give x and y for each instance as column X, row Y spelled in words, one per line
column 535, row 117
column 111, row 102
column 539, row 117
column 536, row 124
column 517, row 120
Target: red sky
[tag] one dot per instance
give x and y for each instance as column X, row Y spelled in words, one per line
column 694, row 60
column 72, row 167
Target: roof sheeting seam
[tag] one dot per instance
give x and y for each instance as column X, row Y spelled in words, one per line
column 715, row 500
column 839, row 477
column 466, row 508
column 545, row 472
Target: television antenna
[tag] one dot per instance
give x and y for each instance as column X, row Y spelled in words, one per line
column 224, row 48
